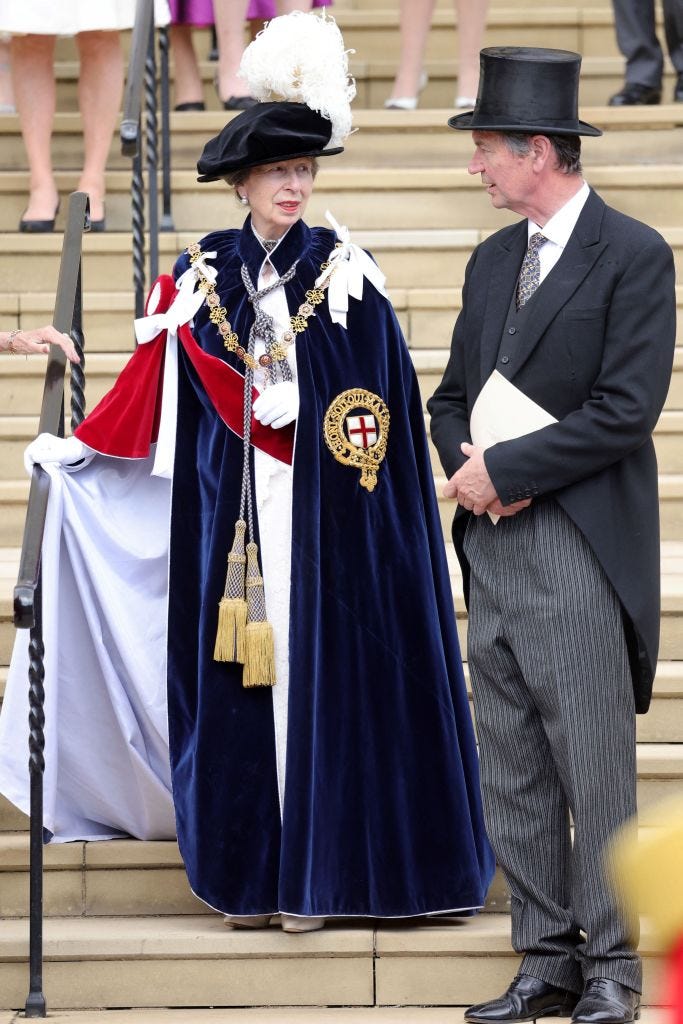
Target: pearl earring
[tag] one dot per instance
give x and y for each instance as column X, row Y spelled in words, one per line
column 244, row 201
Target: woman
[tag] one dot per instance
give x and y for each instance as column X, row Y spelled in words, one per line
column 410, row 78
column 34, row 26
column 230, row 16
column 350, row 787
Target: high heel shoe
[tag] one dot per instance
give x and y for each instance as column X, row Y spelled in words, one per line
column 407, row 102
column 296, row 925
column 101, row 224
column 190, row 105
column 253, row 921
column 35, row 227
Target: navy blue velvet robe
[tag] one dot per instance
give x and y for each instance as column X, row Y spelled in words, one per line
column 382, row 813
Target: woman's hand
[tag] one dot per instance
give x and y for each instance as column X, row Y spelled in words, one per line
column 278, row 405
column 38, row 340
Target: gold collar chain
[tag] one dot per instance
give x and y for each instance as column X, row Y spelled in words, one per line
column 218, row 315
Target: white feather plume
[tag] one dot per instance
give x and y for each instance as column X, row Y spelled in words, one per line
column 300, row 57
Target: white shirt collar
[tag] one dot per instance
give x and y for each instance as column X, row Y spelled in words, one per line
column 561, row 224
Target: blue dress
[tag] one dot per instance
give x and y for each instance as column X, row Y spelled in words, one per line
column 381, row 814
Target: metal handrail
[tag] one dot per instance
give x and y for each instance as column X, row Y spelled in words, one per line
column 141, row 97
column 28, row 591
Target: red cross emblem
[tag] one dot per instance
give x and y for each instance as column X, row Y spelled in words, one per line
column 362, row 430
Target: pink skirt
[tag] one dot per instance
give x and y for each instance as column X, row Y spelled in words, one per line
column 265, row 9
column 200, row 12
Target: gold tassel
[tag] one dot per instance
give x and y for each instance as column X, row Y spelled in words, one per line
column 232, row 621
column 232, row 608
column 259, row 660
column 259, row 646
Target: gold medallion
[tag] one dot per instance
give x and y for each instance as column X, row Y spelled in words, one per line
column 356, row 430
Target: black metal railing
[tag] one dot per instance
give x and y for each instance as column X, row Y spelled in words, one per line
column 142, row 97
column 28, row 591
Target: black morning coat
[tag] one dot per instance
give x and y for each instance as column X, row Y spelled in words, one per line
column 596, row 352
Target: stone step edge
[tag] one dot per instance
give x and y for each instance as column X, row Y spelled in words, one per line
column 383, row 179
column 664, row 115
column 205, row 937
column 390, row 239
column 277, row 1015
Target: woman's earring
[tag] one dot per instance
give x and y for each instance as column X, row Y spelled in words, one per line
column 244, row 201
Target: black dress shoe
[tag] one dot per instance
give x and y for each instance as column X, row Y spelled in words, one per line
column 239, row 103
column 635, row 95
column 606, row 1002
column 678, row 89
column 525, row 999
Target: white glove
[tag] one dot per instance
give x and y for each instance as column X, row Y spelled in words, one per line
column 278, row 405
column 63, row 450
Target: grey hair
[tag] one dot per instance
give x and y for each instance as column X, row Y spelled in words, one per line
column 567, row 148
column 237, row 178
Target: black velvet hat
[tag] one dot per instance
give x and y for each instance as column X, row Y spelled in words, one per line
column 527, row 89
column 264, row 134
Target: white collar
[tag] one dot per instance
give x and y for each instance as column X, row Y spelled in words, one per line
column 562, row 223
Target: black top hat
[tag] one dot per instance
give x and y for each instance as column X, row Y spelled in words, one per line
column 527, row 89
column 264, row 134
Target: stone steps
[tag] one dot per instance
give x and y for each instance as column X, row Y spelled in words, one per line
column 385, row 138
column 197, row 961
column 120, row 878
column 601, row 76
column 422, row 268
column 368, row 199
column 426, row 315
column 303, row 1015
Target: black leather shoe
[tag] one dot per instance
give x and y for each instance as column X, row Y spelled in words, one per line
column 634, row 95
column 678, row 89
column 525, row 999
column 607, row 1002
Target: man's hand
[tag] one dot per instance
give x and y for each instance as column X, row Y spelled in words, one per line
column 496, row 509
column 471, row 486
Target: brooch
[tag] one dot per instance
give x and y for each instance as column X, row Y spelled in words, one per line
column 356, row 429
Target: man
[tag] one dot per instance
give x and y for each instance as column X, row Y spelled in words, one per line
column 574, row 305
column 637, row 40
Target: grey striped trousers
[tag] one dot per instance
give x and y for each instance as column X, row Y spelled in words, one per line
column 555, row 720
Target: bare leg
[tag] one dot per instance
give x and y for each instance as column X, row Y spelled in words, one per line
column 6, row 90
column 415, row 20
column 230, row 17
column 188, row 83
column 34, row 93
column 471, row 16
column 287, row 6
column 100, row 89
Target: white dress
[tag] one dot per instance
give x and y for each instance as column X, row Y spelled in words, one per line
column 69, row 17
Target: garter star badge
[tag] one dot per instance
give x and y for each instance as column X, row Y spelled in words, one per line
column 356, row 429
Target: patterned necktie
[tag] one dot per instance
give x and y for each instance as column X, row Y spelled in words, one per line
column 530, row 274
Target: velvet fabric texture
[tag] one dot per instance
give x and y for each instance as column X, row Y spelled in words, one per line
column 382, row 813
